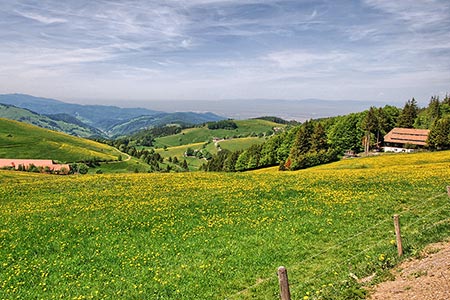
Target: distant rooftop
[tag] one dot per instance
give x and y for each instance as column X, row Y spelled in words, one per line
column 407, row 136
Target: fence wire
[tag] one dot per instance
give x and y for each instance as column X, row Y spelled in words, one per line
column 343, row 265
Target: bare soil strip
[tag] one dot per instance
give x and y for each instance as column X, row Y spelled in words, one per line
column 426, row 278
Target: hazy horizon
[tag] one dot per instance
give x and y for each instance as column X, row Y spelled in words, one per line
column 300, row 110
column 116, row 51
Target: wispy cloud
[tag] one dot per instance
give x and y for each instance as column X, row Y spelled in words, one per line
column 418, row 14
column 225, row 48
column 41, row 18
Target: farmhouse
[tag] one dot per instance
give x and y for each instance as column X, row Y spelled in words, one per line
column 405, row 139
column 26, row 164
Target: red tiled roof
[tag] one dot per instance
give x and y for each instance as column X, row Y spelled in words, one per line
column 15, row 163
column 407, row 136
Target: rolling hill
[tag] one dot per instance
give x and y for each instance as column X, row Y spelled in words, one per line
column 59, row 122
column 205, row 140
column 111, row 120
column 246, row 128
column 21, row 140
column 182, row 118
column 99, row 116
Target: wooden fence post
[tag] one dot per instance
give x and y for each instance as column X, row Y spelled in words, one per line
column 284, row 284
column 398, row 235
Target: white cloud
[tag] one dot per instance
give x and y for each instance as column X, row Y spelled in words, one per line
column 224, row 48
column 41, row 18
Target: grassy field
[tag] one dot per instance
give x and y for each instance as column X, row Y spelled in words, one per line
column 127, row 166
column 217, row 236
column 178, row 151
column 20, row 140
column 203, row 134
column 241, row 144
column 195, row 163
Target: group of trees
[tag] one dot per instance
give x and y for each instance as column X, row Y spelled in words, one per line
column 147, row 137
column 181, row 163
column 223, row 124
column 438, row 120
column 198, row 153
column 321, row 141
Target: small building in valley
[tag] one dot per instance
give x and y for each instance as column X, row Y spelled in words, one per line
column 44, row 165
column 405, row 139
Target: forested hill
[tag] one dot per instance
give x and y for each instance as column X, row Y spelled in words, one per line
column 101, row 120
column 324, row 140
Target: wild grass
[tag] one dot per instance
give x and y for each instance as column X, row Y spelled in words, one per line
column 241, row 144
column 20, row 140
column 216, row 236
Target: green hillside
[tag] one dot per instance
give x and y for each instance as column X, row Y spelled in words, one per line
column 114, row 121
column 142, row 122
column 218, row 235
column 20, row 140
column 240, row 144
column 248, row 133
column 203, row 134
column 62, row 123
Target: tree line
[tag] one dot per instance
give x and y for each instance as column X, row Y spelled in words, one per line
column 320, row 141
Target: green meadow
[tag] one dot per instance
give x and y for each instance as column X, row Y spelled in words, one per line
column 20, row 140
column 204, row 135
column 217, row 236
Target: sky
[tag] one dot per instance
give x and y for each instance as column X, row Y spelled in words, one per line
column 108, row 51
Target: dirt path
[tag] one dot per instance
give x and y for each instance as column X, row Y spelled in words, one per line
column 427, row 278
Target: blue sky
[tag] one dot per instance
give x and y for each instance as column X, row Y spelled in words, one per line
column 112, row 51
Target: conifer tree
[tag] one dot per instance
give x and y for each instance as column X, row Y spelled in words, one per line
column 408, row 114
column 439, row 137
column 184, row 165
column 434, row 106
column 319, row 139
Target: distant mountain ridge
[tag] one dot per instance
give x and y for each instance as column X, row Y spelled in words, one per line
column 62, row 122
column 107, row 120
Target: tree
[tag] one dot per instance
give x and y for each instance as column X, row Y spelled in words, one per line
column 408, row 114
column 229, row 164
column 387, row 118
column 216, row 162
column 302, row 143
column 346, row 133
column 254, row 156
column 434, row 108
column 190, row 152
column 269, row 151
column 286, row 145
column 184, row 165
column 242, row 161
column 223, row 124
column 429, row 115
column 439, row 137
column 319, row 139
column 370, row 124
column 79, row 168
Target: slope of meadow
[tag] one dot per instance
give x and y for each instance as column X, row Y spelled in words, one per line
column 20, row 140
column 217, row 236
column 203, row 134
